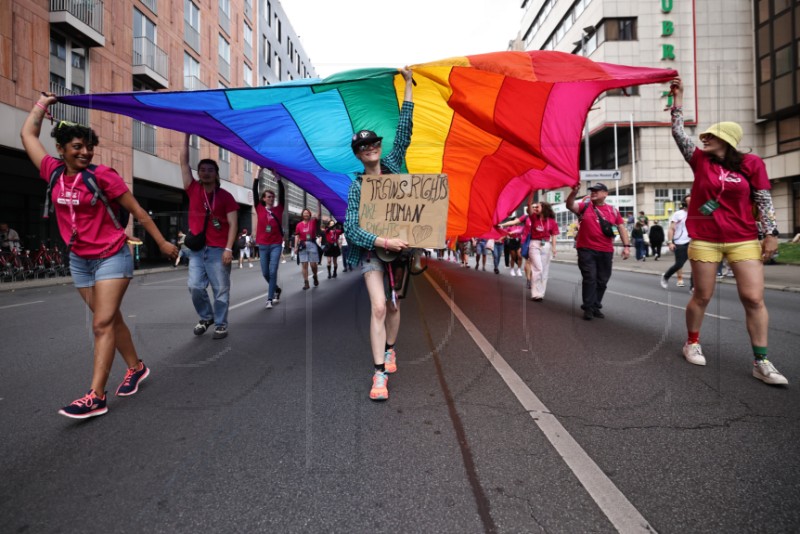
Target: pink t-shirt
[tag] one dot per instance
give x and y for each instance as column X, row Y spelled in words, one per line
column 543, row 228
column 221, row 203
column 268, row 229
column 733, row 221
column 307, row 230
column 96, row 236
column 590, row 235
column 332, row 236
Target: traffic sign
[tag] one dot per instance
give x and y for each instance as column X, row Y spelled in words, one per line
column 601, row 174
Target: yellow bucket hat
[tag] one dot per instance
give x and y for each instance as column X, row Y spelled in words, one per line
column 730, row 132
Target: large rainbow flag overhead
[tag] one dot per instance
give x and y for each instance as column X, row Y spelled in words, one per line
column 499, row 125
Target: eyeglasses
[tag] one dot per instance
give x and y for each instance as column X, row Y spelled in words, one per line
column 66, row 124
column 370, row 146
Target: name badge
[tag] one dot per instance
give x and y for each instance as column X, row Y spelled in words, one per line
column 269, row 228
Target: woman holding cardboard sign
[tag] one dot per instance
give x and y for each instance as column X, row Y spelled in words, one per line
column 384, row 320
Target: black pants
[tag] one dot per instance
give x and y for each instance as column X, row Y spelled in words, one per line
column 595, row 269
column 681, row 255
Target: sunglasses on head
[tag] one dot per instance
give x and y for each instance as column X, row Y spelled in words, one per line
column 369, row 146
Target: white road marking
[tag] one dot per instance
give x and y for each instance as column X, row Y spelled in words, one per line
column 20, row 304
column 651, row 301
column 163, row 281
column 611, row 501
column 246, row 302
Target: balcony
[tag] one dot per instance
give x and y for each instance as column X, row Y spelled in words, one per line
column 224, row 21
column 144, row 137
column 64, row 112
column 191, row 36
column 81, row 20
column 224, row 68
column 193, row 83
column 150, row 63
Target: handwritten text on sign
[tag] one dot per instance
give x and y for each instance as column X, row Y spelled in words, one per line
column 411, row 207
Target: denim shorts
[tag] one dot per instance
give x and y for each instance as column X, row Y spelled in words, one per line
column 374, row 264
column 86, row 272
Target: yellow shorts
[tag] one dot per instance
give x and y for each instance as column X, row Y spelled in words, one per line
column 707, row 251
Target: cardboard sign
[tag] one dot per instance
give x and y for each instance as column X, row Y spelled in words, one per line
column 411, row 207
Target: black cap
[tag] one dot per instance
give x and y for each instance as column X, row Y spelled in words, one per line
column 599, row 186
column 363, row 137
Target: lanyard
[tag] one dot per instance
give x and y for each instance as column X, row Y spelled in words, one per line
column 69, row 203
column 210, row 205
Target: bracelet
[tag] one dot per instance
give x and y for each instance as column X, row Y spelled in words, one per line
column 229, row 249
column 386, row 244
column 46, row 111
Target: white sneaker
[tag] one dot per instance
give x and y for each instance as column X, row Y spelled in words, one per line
column 269, row 305
column 664, row 282
column 766, row 372
column 693, row 353
column 250, row 265
column 680, row 283
column 513, row 272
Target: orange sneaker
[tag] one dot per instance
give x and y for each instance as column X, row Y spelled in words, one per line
column 379, row 390
column 390, row 361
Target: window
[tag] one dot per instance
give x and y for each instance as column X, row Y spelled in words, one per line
column 268, row 14
column 277, row 66
column 662, row 197
column 778, row 62
column 224, row 49
column 789, row 134
column 78, row 61
column 143, row 27
column 224, row 155
column 280, row 32
column 248, row 35
column 248, row 75
column 619, row 29
column 58, row 47
column 267, row 51
column 191, row 24
column 191, row 73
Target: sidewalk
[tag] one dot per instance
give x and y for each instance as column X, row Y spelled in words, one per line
column 778, row 277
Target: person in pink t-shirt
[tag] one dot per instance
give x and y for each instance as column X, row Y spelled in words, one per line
column 101, row 263
column 333, row 234
column 305, row 243
column 727, row 186
column 595, row 248
column 269, row 235
column 211, row 210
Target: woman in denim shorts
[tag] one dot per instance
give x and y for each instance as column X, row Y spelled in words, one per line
column 100, row 258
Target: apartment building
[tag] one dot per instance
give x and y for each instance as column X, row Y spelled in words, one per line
column 96, row 46
column 739, row 60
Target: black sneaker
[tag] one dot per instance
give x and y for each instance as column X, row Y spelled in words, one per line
column 220, row 332
column 316, row 281
column 277, row 294
column 90, row 405
column 588, row 315
column 130, row 384
column 201, row 327
column 598, row 314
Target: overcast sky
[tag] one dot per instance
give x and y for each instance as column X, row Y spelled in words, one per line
column 340, row 35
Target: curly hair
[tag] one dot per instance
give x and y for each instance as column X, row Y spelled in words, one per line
column 65, row 131
column 547, row 210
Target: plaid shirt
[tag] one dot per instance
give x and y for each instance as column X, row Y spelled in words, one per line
column 360, row 241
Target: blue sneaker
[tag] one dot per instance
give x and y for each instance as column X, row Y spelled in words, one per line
column 133, row 377
column 90, row 405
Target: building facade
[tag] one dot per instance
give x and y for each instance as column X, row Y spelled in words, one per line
column 739, row 61
column 96, row 46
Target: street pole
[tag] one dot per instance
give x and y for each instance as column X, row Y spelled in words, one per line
column 616, row 167
column 633, row 168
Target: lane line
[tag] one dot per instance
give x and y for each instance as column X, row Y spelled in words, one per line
column 182, row 279
column 246, row 302
column 20, row 304
column 651, row 301
column 611, row 501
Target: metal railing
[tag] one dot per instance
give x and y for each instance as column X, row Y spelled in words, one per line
column 193, row 83
column 90, row 12
column 191, row 36
column 224, row 21
column 224, row 68
column 64, row 112
column 147, row 53
column 144, row 137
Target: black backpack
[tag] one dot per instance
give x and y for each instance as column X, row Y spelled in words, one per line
column 120, row 217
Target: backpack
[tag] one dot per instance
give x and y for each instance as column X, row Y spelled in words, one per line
column 243, row 241
column 120, row 218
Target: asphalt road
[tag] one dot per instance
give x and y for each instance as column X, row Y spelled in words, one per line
column 505, row 415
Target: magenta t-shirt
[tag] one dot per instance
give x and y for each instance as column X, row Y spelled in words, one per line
column 733, row 221
column 590, row 235
column 221, row 203
column 307, row 230
column 268, row 229
column 543, row 228
column 332, row 236
column 97, row 236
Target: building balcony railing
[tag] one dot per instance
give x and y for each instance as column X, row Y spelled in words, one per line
column 150, row 62
column 81, row 20
column 64, row 112
column 144, row 137
column 224, row 68
column 224, row 21
column 193, row 83
column 191, row 36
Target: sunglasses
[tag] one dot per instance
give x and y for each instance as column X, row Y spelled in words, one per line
column 370, row 146
column 67, row 124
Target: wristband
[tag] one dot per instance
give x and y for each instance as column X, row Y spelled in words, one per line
column 46, row 111
column 386, row 244
column 229, row 249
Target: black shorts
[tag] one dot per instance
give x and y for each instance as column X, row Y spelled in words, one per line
column 332, row 251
